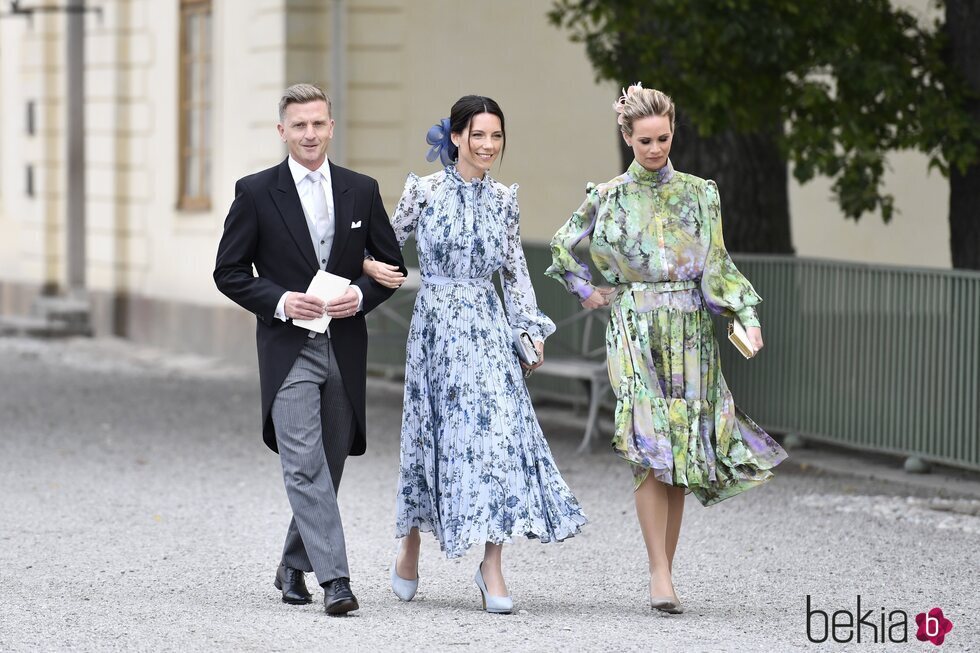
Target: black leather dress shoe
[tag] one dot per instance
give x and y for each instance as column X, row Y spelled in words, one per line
column 338, row 597
column 292, row 582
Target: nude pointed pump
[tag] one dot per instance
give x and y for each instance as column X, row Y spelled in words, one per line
column 492, row 604
column 668, row 604
column 403, row 589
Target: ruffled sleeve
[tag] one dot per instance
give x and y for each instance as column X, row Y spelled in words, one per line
column 567, row 268
column 725, row 290
column 519, row 297
column 413, row 202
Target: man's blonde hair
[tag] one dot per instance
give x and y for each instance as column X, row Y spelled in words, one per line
column 301, row 94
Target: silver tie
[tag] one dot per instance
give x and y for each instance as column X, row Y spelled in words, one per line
column 321, row 218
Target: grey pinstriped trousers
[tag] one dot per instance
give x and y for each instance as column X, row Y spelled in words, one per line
column 314, row 429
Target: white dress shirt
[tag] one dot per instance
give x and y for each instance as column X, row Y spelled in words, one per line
column 304, row 187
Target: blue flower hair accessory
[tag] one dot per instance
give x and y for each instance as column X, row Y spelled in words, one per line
column 442, row 144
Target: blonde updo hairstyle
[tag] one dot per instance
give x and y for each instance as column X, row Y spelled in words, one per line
column 638, row 102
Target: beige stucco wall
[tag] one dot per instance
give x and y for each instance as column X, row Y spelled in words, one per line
column 560, row 131
column 918, row 233
column 29, row 249
column 407, row 61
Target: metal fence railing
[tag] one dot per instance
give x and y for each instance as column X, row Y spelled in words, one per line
column 872, row 357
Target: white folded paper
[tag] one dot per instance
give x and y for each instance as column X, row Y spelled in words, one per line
column 325, row 286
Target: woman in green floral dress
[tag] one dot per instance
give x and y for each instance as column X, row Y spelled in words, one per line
column 656, row 238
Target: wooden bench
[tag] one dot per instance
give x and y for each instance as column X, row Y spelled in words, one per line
column 581, row 357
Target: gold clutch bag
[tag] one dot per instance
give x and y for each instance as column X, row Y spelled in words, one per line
column 738, row 337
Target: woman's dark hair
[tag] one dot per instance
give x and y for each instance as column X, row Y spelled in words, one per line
column 461, row 117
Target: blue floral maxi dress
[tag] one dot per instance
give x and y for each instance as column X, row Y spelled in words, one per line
column 475, row 466
column 656, row 237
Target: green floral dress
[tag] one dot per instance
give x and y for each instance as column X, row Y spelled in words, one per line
column 656, row 237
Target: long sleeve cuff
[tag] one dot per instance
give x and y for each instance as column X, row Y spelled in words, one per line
column 581, row 288
column 749, row 317
column 360, row 296
column 281, row 308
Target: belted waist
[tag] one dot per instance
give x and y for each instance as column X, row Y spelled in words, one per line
column 661, row 286
column 437, row 280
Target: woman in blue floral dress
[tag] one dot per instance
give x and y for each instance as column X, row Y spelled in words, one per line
column 656, row 236
column 475, row 467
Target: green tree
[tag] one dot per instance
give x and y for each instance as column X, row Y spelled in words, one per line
column 831, row 86
column 962, row 30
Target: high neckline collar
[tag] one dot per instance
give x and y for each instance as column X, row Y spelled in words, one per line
column 653, row 178
column 453, row 174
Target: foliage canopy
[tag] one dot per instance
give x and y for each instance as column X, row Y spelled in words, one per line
column 847, row 80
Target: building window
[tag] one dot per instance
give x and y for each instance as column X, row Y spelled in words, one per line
column 195, row 105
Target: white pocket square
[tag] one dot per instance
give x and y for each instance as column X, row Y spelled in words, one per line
column 355, row 225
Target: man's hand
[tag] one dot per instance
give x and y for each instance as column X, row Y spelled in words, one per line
column 343, row 306
column 387, row 275
column 301, row 306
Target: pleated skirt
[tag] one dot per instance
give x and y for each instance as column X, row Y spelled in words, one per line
column 474, row 466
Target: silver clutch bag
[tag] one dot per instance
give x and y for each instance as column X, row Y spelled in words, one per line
column 524, row 347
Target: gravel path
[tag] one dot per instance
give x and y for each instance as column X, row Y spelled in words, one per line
column 139, row 511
